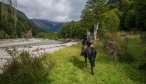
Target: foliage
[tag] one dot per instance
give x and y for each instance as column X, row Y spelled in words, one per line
column 24, row 68
column 110, row 21
column 111, row 46
column 141, row 12
column 48, row 35
column 130, row 20
column 125, row 55
column 91, row 13
column 143, row 37
column 130, row 14
column 3, row 35
column 72, row 30
column 143, row 65
column 117, row 49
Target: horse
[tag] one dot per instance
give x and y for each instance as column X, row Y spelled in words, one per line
column 90, row 53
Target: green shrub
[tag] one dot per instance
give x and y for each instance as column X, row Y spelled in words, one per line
column 111, row 45
column 3, row 35
column 117, row 49
column 26, row 69
column 125, row 55
column 142, row 66
column 143, row 37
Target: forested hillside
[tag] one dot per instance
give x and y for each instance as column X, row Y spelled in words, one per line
column 116, row 15
column 23, row 26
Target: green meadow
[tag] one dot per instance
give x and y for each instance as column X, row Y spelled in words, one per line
column 70, row 67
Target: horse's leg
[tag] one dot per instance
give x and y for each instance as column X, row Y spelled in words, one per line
column 86, row 60
column 92, row 70
column 93, row 62
column 92, row 65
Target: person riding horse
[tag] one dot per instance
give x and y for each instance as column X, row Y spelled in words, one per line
column 88, row 51
column 86, row 42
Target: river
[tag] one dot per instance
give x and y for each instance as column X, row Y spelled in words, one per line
column 34, row 46
column 18, row 43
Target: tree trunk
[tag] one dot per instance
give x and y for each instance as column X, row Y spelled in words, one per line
column 96, row 26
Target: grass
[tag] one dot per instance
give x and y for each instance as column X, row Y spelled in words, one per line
column 70, row 69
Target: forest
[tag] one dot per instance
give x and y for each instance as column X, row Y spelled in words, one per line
column 116, row 15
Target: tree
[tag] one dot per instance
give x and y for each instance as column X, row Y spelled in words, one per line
column 72, row 30
column 91, row 13
column 110, row 20
column 130, row 20
column 140, row 7
column 124, row 7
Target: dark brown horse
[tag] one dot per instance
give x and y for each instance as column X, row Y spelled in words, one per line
column 90, row 53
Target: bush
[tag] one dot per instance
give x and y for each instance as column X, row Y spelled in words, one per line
column 26, row 69
column 143, row 37
column 111, row 45
column 125, row 55
column 142, row 66
column 117, row 49
column 3, row 35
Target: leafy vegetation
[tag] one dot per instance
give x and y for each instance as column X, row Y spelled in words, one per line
column 71, row 30
column 24, row 68
column 116, row 15
column 47, row 35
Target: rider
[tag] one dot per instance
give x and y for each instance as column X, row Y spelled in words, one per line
column 86, row 41
column 83, row 43
column 89, row 39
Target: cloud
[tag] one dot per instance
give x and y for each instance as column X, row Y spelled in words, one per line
column 56, row 10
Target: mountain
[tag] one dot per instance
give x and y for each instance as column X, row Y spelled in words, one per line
column 46, row 25
column 8, row 28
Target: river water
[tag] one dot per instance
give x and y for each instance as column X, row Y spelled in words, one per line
column 27, row 43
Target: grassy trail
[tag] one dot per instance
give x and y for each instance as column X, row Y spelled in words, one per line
column 70, row 69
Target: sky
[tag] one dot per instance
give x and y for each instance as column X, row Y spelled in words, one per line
column 54, row 10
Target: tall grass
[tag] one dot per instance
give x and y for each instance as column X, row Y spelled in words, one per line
column 24, row 68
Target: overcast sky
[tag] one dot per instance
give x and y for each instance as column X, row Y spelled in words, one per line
column 55, row 10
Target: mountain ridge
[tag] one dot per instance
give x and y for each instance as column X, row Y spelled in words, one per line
column 48, row 25
column 8, row 29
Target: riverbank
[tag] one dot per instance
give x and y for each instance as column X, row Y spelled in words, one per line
column 36, row 47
